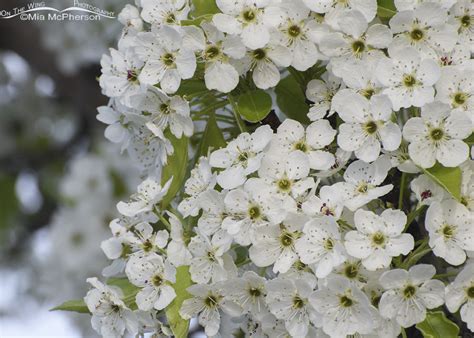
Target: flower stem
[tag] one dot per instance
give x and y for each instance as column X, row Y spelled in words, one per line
column 412, row 215
column 238, row 119
column 402, row 190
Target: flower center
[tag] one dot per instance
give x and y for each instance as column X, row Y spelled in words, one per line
column 298, row 302
column 325, row 210
column 370, row 127
column 147, row 246
column 168, row 59
column 470, row 292
column 362, row 187
column 351, row 271
column 284, row 184
column 301, row 145
column 211, row 301
column 358, row 46
column 254, row 212
column 409, row 80
column 157, row 280
column 436, row 134
column 132, row 75
column 165, row 109
column 346, row 301
column 367, row 93
column 171, row 18
column 243, row 156
column 255, row 292
column 115, row 308
column 249, row 15
column 211, row 256
column 417, row 34
column 465, row 21
column 426, row 194
column 378, row 238
column 286, row 239
column 294, row 31
column 459, row 99
column 448, row 231
column 409, row 291
column 212, row 52
column 328, row 244
column 259, row 54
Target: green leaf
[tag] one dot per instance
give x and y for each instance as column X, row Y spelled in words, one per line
column 254, row 106
column 436, row 325
column 191, row 87
column 386, row 9
column 291, row 99
column 448, row 178
column 470, row 140
column 179, row 325
column 76, row 305
column 212, row 138
column 175, row 168
column 129, row 291
column 204, row 7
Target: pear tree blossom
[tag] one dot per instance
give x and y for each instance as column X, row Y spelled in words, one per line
column 306, row 169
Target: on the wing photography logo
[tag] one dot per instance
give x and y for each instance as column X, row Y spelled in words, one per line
column 39, row 11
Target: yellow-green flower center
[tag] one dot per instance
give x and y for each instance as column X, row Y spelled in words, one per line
column 259, row 54
column 417, row 34
column 294, row 31
column 254, row 212
column 409, row 291
column 436, row 134
column 157, row 280
column 409, row 80
column 346, row 301
column 298, row 302
column 371, row 127
column 212, row 52
column 378, row 238
column 358, row 46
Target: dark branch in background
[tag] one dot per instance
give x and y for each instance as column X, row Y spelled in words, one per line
column 80, row 92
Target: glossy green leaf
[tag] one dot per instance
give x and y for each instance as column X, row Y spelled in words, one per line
column 254, row 106
column 291, row 99
column 436, row 325
column 386, row 9
column 175, row 167
column 76, row 305
column 448, row 178
column 179, row 325
column 204, row 7
column 212, row 138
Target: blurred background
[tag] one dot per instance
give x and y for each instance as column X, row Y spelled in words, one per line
column 59, row 178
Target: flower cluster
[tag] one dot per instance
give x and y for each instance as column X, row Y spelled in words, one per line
column 309, row 228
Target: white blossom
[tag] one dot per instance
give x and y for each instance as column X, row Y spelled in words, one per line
column 437, row 135
column 409, row 293
column 449, row 224
column 378, row 238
